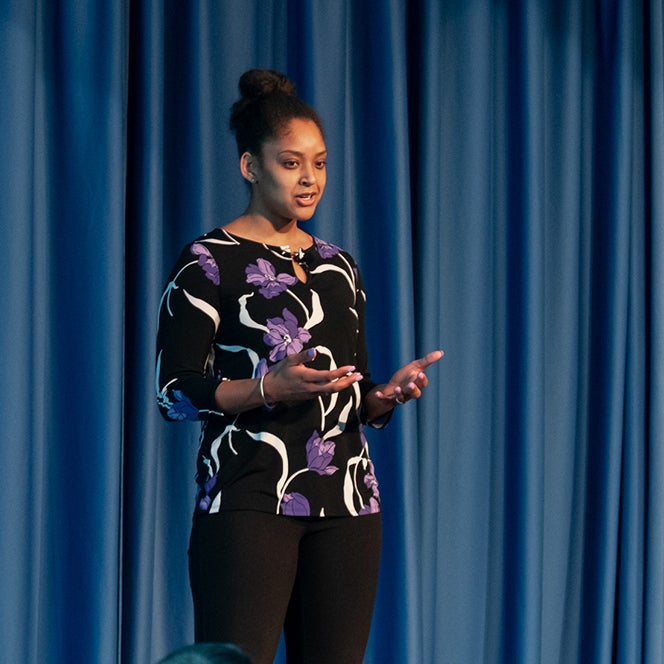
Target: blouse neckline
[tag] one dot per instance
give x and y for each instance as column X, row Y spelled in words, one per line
column 284, row 249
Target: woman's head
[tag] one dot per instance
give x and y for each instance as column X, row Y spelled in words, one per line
column 281, row 147
column 267, row 104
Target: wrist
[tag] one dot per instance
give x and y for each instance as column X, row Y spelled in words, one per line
column 267, row 402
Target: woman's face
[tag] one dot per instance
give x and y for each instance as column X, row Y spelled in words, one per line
column 291, row 173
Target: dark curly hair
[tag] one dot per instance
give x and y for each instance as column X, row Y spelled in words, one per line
column 207, row 653
column 268, row 102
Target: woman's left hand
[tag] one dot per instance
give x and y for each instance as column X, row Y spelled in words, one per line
column 407, row 383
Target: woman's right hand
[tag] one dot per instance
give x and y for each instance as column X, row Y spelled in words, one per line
column 291, row 380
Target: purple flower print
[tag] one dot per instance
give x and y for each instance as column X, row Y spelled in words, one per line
column 261, row 368
column 285, row 336
column 295, row 504
column 264, row 275
column 206, row 261
column 325, row 249
column 182, row 408
column 371, row 482
column 372, row 508
column 205, row 502
column 319, row 455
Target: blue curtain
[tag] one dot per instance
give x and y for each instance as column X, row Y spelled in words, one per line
column 496, row 167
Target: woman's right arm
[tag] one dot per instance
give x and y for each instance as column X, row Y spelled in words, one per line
column 188, row 321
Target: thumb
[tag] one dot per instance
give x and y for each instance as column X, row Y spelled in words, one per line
column 303, row 357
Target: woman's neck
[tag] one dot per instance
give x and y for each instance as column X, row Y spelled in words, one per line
column 260, row 229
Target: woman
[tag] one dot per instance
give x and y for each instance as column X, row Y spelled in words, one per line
column 261, row 336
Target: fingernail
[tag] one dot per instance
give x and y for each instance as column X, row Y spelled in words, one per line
column 359, row 377
column 311, row 352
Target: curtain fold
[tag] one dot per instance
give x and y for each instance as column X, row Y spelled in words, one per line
column 497, row 169
column 653, row 76
column 64, row 150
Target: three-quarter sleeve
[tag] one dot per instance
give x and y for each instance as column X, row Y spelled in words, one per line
column 188, row 322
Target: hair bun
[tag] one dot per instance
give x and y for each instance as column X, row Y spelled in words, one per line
column 268, row 102
column 257, row 83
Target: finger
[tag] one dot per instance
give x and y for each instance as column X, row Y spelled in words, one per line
column 342, row 372
column 324, row 376
column 342, row 383
column 302, row 357
column 394, row 398
column 343, row 377
column 327, row 382
column 421, row 380
column 429, row 359
column 412, row 391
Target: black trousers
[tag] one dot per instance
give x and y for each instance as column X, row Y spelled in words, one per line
column 254, row 574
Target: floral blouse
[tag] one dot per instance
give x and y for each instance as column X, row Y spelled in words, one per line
column 233, row 308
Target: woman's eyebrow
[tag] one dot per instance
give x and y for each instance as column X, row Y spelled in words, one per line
column 301, row 154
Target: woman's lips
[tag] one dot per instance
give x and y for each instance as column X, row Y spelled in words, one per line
column 306, row 199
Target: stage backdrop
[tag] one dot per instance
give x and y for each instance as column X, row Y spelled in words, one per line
column 497, row 168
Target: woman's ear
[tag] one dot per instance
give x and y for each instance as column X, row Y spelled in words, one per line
column 248, row 164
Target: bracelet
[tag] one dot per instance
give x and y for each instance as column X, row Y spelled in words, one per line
column 268, row 405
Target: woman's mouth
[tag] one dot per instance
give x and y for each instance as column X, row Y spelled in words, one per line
column 306, row 199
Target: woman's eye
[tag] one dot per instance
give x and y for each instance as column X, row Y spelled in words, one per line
column 290, row 163
column 321, row 164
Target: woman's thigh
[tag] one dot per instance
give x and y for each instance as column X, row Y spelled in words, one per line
column 242, row 567
column 329, row 617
